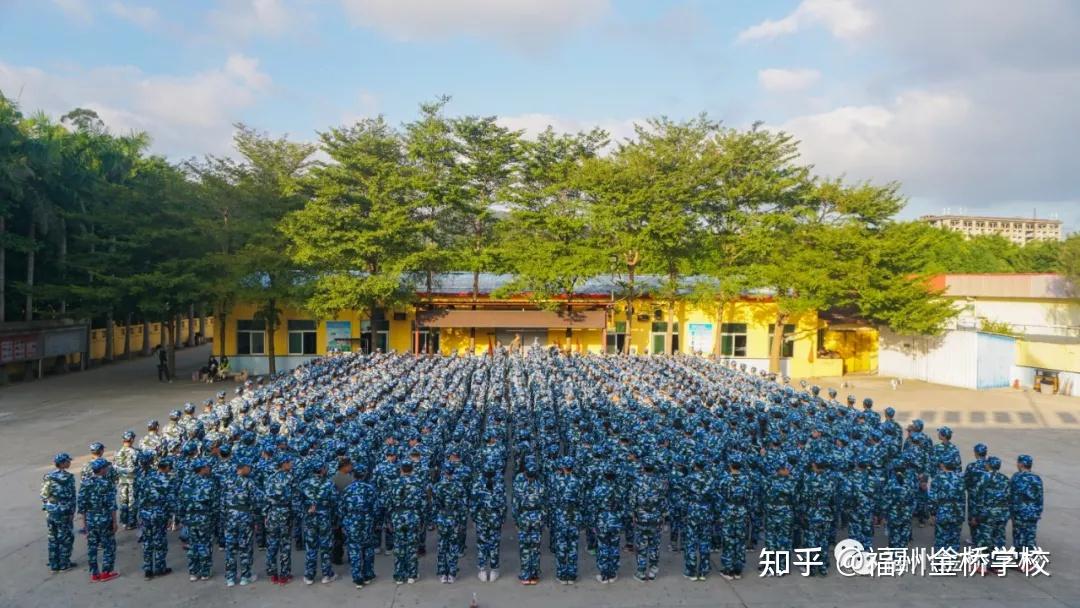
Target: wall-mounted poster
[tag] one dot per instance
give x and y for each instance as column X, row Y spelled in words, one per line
column 338, row 334
column 700, row 337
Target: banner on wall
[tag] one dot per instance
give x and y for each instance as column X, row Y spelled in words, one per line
column 700, row 337
column 338, row 334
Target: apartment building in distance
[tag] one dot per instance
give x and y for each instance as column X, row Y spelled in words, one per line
column 1019, row 230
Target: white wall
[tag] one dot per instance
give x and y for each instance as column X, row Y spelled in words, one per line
column 1068, row 382
column 260, row 365
column 948, row 359
column 1054, row 318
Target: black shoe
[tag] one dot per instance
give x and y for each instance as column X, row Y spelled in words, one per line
column 148, row 575
column 164, row 572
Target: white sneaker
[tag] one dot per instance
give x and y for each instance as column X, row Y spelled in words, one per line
column 329, row 579
column 192, row 578
column 653, row 572
column 726, row 577
column 493, row 575
column 482, row 575
column 410, row 581
column 230, row 583
column 736, row 576
column 450, row 579
column 308, row 581
column 205, row 578
column 442, row 578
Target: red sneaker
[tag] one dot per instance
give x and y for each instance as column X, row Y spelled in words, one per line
column 107, row 576
column 284, row 580
column 273, row 579
column 94, row 578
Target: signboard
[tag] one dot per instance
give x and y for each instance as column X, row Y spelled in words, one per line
column 19, row 348
column 338, row 334
column 700, row 337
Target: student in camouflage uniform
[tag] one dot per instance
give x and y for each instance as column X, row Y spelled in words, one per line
column 356, row 509
column 58, row 500
column 860, row 502
column 156, row 505
column 319, row 502
column 97, row 505
column 126, row 464
column 450, row 504
column 529, row 517
column 280, row 494
column 198, row 503
column 818, row 497
column 697, row 532
column 566, row 521
column 780, row 498
column 405, row 504
column 734, row 496
column 900, row 496
column 1026, row 494
column 608, row 523
column 973, row 474
column 489, row 511
column 646, row 506
column 992, row 502
column 240, row 501
column 947, row 496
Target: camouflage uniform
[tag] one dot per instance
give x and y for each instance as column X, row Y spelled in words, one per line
column 280, row 495
column 157, row 504
column 992, row 502
column 318, row 497
column 646, row 502
column 900, row 497
column 97, row 503
column 529, row 517
column 566, row 524
column 198, row 503
column 451, row 507
column 860, row 504
column 489, row 510
column 608, row 523
column 125, row 485
column 240, row 501
column 947, row 495
column 734, row 494
column 58, row 501
column 780, row 497
column 1026, row 507
column 357, row 513
column 818, row 496
column 697, row 533
column 405, row 505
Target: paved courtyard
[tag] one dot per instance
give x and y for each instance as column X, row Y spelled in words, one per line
column 66, row 413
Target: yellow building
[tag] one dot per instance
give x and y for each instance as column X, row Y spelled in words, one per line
column 450, row 321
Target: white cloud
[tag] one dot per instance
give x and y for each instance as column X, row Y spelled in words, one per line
column 76, row 10
column 145, row 17
column 522, row 24
column 366, row 106
column 843, row 18
column 247, row 18
column 184, row 114
column 784, row 81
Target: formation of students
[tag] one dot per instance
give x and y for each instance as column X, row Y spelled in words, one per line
column 354, row 454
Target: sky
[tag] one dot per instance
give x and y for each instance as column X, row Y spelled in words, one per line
column 972, row 105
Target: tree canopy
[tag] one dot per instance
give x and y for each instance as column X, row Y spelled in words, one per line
column 92, row 226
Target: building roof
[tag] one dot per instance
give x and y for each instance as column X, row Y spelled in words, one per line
column 460, row 283
column 1039, row 286
column 989, row 217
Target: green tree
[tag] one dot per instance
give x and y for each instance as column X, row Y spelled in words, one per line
column 356, row 230
column 1069, row 260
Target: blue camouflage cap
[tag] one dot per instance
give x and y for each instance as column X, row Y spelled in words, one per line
column 128, row 435
column 981, row 449
column 566, row 462
column 61, row 458
column 98, row 464
column 994, row 462
column 96, row 447
column 890, row 412
column 1024, row 460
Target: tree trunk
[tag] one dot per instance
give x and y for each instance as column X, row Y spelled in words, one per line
column 146, row 338
column 219, row 327
column 3, row 269
column 630, row 268
column 31, row 235
column 190, row 325
column 669, row 328
column 127, row 337
column 271, row 328
column 202, row 321
column 169, row 328
column 777, row 343
column 110, row 341
column 475, row 297
column 62, row 259
column 719, row 320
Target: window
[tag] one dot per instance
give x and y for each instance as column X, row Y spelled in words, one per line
column 788, row 348
column 301, row 337
column 250, row 337
column 427, row 340
column 733, row 339
column 659, row 332
column 616, row 340
column 377, row 340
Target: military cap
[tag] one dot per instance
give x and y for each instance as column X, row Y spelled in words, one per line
column 994, row 462
column 1024, row 460
column 61, row 458
column 96, row 447
column 945, row 432
column 98, row 464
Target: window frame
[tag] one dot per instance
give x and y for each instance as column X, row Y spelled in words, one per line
column 246, row 331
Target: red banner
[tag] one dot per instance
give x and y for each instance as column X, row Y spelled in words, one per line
column 18, row 348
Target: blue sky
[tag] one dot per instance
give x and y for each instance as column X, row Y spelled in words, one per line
column 969, row 104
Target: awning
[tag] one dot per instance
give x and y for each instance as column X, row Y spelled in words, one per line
column 514, row 319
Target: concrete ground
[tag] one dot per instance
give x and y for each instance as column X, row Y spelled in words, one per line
column 65, row 413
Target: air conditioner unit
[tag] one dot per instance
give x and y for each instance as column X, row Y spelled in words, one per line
column 399, row 316
column 643, row 317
